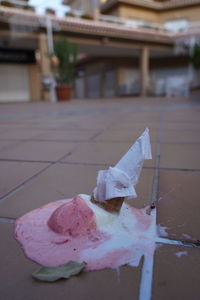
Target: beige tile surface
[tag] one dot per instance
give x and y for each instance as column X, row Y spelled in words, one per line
column 180, row 156
column 145, row 117
column 4, row 144
column 182, row 125
column 138, row 125
column 38, row 150
column 69, row 135
column 108, row 153
column 124, row 135
column 94, row 122
column 52, row 131
column 181, row 136
column 98, row 152
column 58, row 182
column 179, row 206
column 19, row 133
column 184, row 115
column 176, row 277
column 15, row 173
column 143, row 189
column 17, row 282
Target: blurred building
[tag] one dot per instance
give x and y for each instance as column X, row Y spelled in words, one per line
column 148, row 69
column 127, row 48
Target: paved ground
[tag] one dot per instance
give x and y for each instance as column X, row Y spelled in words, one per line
column 53, row 151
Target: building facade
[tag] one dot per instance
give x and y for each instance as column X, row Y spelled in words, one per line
column 126, row 48
column 121, row 75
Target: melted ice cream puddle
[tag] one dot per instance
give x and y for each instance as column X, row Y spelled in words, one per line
column 117, row 240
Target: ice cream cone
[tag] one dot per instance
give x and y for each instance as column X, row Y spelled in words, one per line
column 112, row 205
column 118, row 182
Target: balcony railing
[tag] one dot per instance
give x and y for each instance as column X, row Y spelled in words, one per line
column 129, row 23
column 142, row 24
column 189, row 27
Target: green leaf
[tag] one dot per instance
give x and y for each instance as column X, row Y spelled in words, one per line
column 54, row 273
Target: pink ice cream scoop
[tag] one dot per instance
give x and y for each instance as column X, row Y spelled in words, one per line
column 74, row 218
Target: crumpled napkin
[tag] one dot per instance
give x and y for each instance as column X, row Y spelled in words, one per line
column 120, row 181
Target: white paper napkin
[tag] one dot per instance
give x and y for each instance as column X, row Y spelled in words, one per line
column 120, row 181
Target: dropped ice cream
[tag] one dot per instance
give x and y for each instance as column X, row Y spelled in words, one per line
column 80, row 230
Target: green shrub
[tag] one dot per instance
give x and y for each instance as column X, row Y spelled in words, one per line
column 67, row 55
column 195, row 58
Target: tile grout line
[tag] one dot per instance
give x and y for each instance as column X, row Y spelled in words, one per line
column 154, row 195
column 146, row 280
column 22, row 185
column 99, row 111
column 186, row 243
column 30, row 179
column 91, row 164
column 7, row 220
column 92, row 139
column 145, row 289
column 26, row 161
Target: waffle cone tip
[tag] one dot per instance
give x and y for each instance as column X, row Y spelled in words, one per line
column 112, row 205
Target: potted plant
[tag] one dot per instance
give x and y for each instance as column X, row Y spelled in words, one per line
column 64, row 71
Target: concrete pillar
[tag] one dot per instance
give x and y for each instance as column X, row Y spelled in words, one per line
column 96, row 13
column 102, row 80
column 34, row 82
column 85, row 85
column 45, row 64
column 144, row 71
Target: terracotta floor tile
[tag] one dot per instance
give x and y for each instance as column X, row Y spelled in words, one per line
column 143, row 189
column 4, row 145
column 42, row 125
column 116, row 119
column 180, row 136
column 176, row 273
column 15, row 173
column 58, row 182
column 182, row 125
column 142, row 116
column 180, row 156
column 68, row 135
column 137, row 125
column 94, row 122
column 183, row 115
column 38, row 150
column 124, row 135
column 104, row 153
column 20, row 134
column 16, row 125
column 98, row 152
column 17, row 282
column 179, row 207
